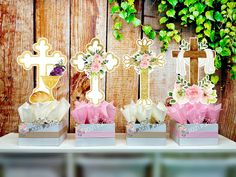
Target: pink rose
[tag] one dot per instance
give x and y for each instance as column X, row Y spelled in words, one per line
column 98, row 58
column 144, row 62
column 194, row 93
column 95, row 67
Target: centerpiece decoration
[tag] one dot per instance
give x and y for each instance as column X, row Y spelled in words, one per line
column 192, row 104
column 145, row 119
column 95, row 119
column 42, row 119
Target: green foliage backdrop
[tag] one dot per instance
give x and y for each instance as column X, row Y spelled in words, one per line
column 213, row 20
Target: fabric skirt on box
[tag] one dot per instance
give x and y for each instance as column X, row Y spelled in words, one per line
column 194, row 134
column 95, row 134
column 146, row 135
column 47, row 134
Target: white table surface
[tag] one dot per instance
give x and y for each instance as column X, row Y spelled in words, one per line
column 9, row 144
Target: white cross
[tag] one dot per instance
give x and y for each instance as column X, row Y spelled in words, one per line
column 43, row 61
column 95, row 94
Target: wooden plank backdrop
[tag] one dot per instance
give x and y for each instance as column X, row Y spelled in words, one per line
column 69, row 25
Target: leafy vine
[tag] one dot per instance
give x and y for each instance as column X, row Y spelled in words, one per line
column 213, row 20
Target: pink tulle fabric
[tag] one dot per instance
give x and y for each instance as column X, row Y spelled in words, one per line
column 194, row 113
column 87, row 113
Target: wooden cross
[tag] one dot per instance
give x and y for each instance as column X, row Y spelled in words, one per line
column 193, row 54
column 85, row 62
column 43, row 61
column 144, row 50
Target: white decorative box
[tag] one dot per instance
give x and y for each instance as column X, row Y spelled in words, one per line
column 146, row 135
column 46, row 134
column 194, row 134
column 95, row 134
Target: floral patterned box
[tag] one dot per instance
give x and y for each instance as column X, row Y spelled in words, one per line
column 194, row 134
column 146, row 134
column 46, row 134
column 95, row 134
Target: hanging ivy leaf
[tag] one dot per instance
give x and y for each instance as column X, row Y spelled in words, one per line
column 147, row 29
column 209, row 3
column 209, row 15
column 136, row 22
column 170, row 26
column 189, row 2
column 170, row 13
column 115, row 9
column 218, row 16
column 163, row 20
column 173, row 2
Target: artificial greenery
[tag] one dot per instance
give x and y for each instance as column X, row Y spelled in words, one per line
column 214, row 21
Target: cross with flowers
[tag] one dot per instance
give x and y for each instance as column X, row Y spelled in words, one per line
column 95, row 62
column 143, row 62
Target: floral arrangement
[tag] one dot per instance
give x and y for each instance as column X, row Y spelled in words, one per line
column 193, row 104
column 183, row 93
column 94, row 62
column 144, row 60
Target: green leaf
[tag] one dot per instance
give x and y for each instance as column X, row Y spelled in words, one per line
column 234, row 59
column 162, row 7
column 162, row 33
column 136, row 22
column 207, row 25
column 207, row 32
column 218, row 16
column 199, row 28
column 152, row 35
column 115, row 9
column 209, row 15
column 123, row 14
column 189, row 2
column 170, row 13
column 200, row 7
column 111, row 1
column 170, row 26
column 173, row 2
column 117, row 25
column 222, row 33
column 131, row 2
column 225, row 52
column 177, row 38
column 117, row 35
column 218, row 49
column 218, row 62
column 212, row 36
column 200, row 19
column 209, row 3
column 184, row 11
column 163, row 20
column 124, row 5
column 214, row 79
column 147, row 29
column 130, row 18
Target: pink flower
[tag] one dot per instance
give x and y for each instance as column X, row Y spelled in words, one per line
column 98, row 58
column 194, row 94
column 144, row 62
column 95, row 67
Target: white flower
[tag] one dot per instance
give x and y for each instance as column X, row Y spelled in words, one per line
column 179, row 94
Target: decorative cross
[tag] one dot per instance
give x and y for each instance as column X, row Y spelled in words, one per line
column 43, row 62
column 143, row 62
column 194, row 54
column 95, row 62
